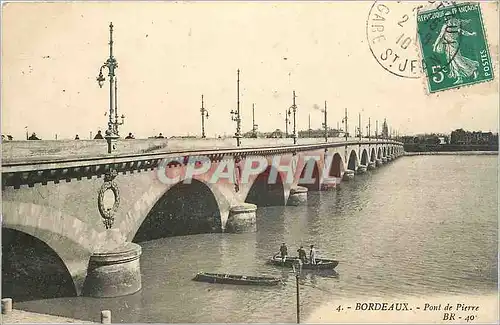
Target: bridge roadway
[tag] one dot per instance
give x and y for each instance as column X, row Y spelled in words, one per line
column 63, row 194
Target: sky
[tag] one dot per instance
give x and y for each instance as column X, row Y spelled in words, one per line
column 169, row 54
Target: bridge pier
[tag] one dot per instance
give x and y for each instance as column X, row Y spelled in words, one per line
column 328, row 186
column 361, row 169
column 384, row 160
column 114, row 272
column 242, row 218
column 298, row 196
column 371, row 165
column 348, row 175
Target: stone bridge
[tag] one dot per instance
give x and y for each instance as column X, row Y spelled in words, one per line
column 58, row 205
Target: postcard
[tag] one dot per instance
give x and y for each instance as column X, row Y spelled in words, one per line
column 250, row 162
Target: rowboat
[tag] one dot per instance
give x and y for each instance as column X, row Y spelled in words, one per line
column 236, row 279
column 321, row 263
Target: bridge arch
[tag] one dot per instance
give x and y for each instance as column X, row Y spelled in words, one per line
column 267, row 192
column 183, row 209
column 315, row 186
column 337, row 166
column 385, row 152
column 372, row 155
column 364, row 157
column 31, row 269
column 52, row 233
column 379, row 153
column 353, row 160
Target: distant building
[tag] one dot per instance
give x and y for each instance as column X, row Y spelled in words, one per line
column 460, row 136
column 432, row 138
column 385, row 129
column 319, row 133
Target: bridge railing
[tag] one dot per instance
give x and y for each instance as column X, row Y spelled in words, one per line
column 30, row 172
column 22, row 156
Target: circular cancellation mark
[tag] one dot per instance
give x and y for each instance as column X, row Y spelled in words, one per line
column 391, row 31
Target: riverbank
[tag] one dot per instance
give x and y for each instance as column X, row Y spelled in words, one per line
column 462, row 153
column 17, row 316
column 422, row 147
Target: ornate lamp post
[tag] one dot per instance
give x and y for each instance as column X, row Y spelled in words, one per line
column 325, row 124
column 254, row 126
column 287, row 122
column 309, row 129
column 235, row 115
column 360, row 135
column 116, row 123
column 297, row 268
column 369, row 128
column 344, row 121
column 111, row 64
column 293, row 109
column 204, row 115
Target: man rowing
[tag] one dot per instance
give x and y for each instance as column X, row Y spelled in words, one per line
column 302, row 254
column 283, row 252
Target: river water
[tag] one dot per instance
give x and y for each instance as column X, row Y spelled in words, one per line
column 417, row 227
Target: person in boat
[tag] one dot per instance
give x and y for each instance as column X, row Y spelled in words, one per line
column 312, row 255
column 283, row 252
column 302, row 254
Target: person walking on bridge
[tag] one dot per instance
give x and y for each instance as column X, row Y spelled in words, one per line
column 98, row 136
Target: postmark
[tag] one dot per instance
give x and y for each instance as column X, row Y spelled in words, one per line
column 391, row 31
column 392, row 36
column 453, row 35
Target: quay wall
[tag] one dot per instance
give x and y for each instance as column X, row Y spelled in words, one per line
column 451, row 153
column 17, row 316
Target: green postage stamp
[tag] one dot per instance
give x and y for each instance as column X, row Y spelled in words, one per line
column 453, row 46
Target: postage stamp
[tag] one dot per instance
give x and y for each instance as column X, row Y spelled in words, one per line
column 454, row 36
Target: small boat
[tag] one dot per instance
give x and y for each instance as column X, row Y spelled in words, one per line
column 321, row 263
column 236, row 279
